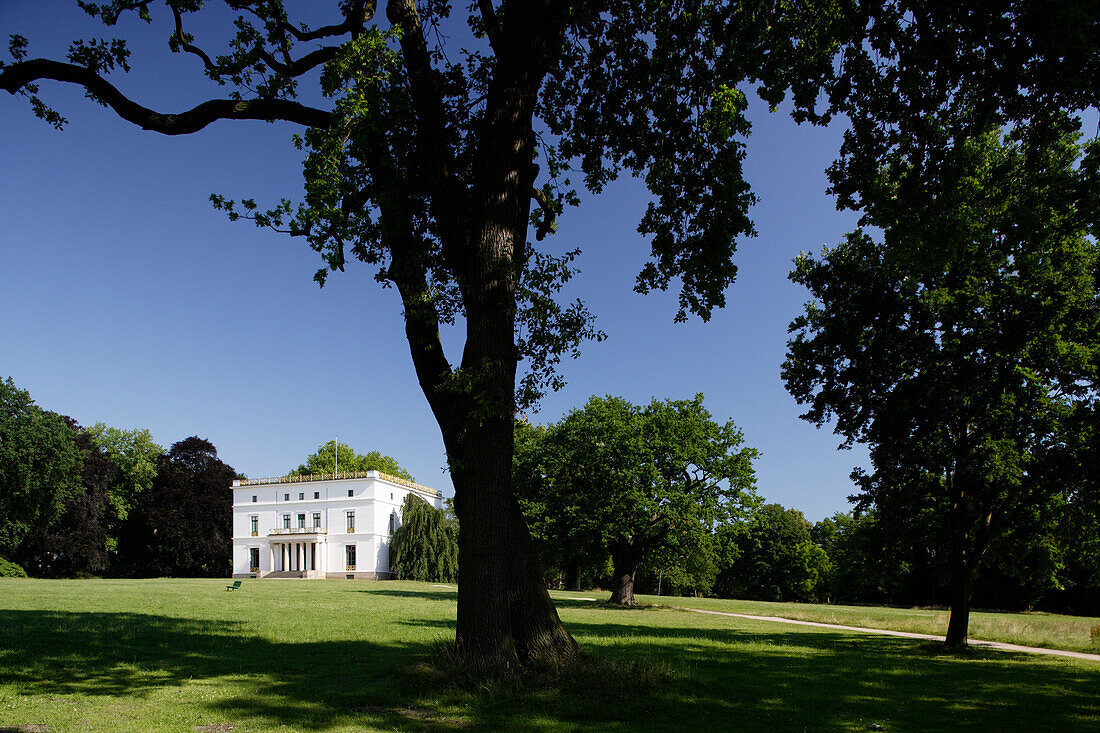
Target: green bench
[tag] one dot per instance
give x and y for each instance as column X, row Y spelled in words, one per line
column 235, row 586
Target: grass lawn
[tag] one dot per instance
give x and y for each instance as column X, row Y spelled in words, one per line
column 186, row 655
column 1075, row 633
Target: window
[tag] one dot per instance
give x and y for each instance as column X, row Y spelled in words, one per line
column 351, row 521
column 316, row 519
column 316, row 494
column 391, row 496
column 302, row 521
column 253, row 498
column 253, row 559
column 301, row 495
column 351, row 492
column 350, row 552
column 286, row 521
column 286, row 497
column 393, row 521
column 254, row 520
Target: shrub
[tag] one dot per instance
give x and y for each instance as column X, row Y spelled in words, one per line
column 9, row 569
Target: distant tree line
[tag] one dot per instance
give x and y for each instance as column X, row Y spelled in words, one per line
column 78, row 501
column 611, row 475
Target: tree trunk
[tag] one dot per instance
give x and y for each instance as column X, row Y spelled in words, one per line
column 626, row 563
column 505, row 615
column 968, row 546
column 959, row 620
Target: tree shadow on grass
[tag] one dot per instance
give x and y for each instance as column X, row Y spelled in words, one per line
column 639, row 676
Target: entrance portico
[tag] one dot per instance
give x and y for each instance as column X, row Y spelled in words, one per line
column 299, row 550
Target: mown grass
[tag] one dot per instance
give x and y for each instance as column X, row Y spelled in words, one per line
column 185, row 655
column 1051, row 631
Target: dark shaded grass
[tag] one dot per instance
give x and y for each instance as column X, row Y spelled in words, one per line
column 645, row 669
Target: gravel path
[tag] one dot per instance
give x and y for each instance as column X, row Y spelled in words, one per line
column 909, row 635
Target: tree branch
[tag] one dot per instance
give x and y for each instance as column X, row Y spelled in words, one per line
column 15, row 77
column 549, row 216
column 354, row 21
column 187, row 46
column 436, row 157
column 302, row 65
column 492, row 27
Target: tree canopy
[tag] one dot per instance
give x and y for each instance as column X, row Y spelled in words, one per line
column 81, row 539
column 326, row 461
column 633, row 481
column 774, row 558
column 182, row 525
column 40, row 466
column 136, row 454
column 961, row 346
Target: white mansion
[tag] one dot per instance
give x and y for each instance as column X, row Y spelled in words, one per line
column 328, row 526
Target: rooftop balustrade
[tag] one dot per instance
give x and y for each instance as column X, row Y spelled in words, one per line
column 336, row 476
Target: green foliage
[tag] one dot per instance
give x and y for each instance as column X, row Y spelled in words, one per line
column 631, row 482
column 917, row 78
column 865, row 565
column 961, row 346
column 9, row 569
column 775, row 558
column 40, row 466
column 182, row 525
column 425, row 546
column 326, row 461
column 135, row 453
column 79, row 542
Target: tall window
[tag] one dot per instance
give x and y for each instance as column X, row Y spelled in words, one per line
column 393, row 521
column 253, row 559
column 286, row 521
column 255, row 522
column 350, row 551
column 316, row 519
column 351, row 521
column 301, row 521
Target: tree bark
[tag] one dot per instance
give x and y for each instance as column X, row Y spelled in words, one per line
column 959, row 621
column 505, row 615
column 968, row 546
column 625, row 561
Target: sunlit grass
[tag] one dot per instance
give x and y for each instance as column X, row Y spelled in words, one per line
column 185, row 655
column 1052, row 631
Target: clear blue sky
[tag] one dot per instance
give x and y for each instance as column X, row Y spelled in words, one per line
column 125, row 298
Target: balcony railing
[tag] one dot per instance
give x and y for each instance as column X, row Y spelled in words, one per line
column 350, row 567
column 298, row 530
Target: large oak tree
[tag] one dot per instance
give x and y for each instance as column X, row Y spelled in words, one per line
column 632, row 482
column 434, row 162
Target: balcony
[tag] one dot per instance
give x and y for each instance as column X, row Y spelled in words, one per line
column 296, row 530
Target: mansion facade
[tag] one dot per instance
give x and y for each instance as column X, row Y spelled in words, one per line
column 327, row 526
